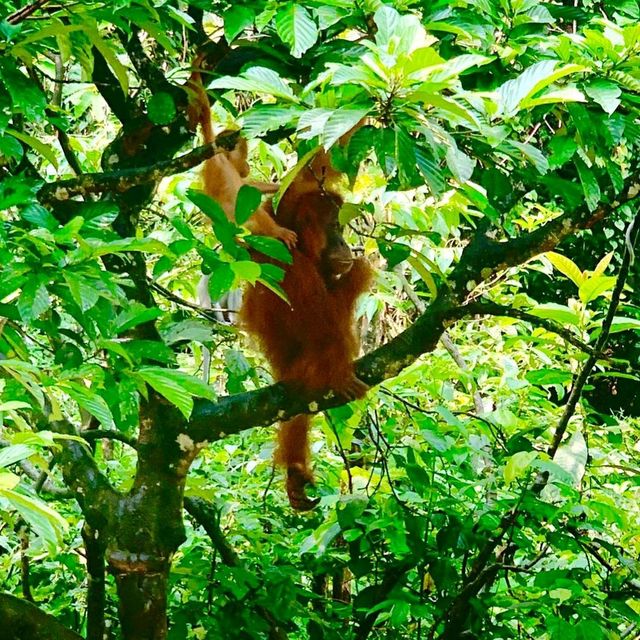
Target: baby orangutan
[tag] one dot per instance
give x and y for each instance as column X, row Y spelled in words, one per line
column 225, row 172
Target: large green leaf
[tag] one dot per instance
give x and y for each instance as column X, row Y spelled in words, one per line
column 270, row 247
column 257, row 80
column 513, row 94
column 566, row 266
column 91, row 402
column 296, row 28
column 177, row 387
column 248, row 200
column 42, row 519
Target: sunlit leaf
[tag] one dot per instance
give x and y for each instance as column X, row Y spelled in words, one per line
column 566, row 266
column 296, row 28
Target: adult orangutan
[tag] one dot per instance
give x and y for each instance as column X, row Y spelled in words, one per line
column 310, row 341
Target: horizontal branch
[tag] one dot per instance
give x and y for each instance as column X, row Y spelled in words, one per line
column 484, row 257
column 231, row 414
column 479, row 261
column 125, row 179
column 21, row 620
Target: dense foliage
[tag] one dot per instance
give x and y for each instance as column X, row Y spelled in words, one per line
column 482, row 489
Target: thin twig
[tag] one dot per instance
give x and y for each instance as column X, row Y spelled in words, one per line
column 581, row 380
column 493, row 309
column 25, row 12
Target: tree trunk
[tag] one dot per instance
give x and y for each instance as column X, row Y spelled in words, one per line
column 95, row 549
column 143, row 604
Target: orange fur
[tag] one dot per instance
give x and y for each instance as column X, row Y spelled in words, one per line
column 224, row 173
column 311, row 341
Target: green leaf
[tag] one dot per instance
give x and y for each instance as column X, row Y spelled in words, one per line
column 44, row 521
column 296, row 28
column 398, row 34
column 595, row 286
column 393, row 252
column 145, row 245
column 532, row 154
column 33, row 300
column 83, row 292
column 91, row 402
column 563, row 149
column 460, row 164
column 248, row 200
column 624, row 324
column 221, row 279
column 320, row 539
column 270, row 247
column 446, row 106
column 119, row 70
column 246, row 270
column 590, row 186
column 26, row 96
column 418, row 264
column 262, row 118
column 177, row 387
column 548, row 376
column 135, row 315
column 15, row 453
column 513, row 94
column 560, row 594
column 10, row 148
column 430, row 169
column 285, row 183
column 8, row 480
column 161, row 108
column 518, row 465
column 566, row 266
column 563, row 95
column 188, row 330
column 257, row 80
column 236, row 19
column 271, row 272
column 605, row 93
column 39, row 217
column 207, row 205
column 560, row 313
column 43, row 149
column 340, row 122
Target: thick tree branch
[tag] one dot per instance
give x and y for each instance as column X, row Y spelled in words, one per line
column 484, row 257
column 211, row 421
column 22, row 620
column 148, row 70
column 90, row 487
column 125, row 179
column 109, row 87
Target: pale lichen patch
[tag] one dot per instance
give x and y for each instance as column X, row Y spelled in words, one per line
column 185, row 442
